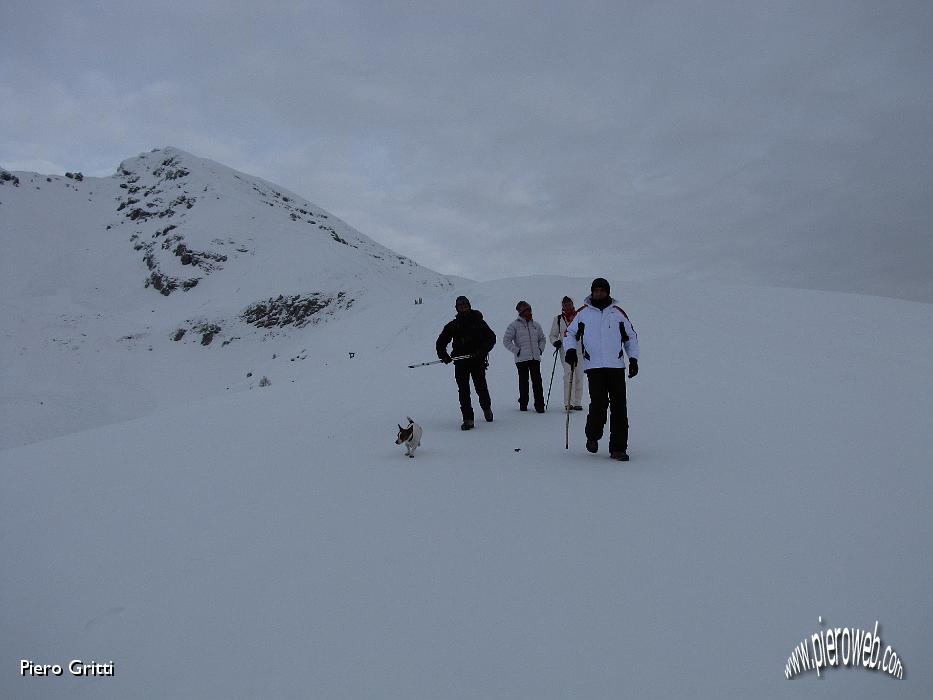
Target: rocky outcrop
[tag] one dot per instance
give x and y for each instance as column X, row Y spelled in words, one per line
column 295, row 310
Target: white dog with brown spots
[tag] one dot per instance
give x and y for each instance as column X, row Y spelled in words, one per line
column 410, row 437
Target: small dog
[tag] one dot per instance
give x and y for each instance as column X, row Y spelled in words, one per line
column 410, row 437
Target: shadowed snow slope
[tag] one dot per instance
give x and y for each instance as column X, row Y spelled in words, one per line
column 275, row 543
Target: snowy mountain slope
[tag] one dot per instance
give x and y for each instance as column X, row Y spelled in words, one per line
column 275, row 543
column 104, row 278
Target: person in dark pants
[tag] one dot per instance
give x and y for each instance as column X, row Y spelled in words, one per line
column 471, row 335
column 604, row 334
column 525, row 339
column 607, row 388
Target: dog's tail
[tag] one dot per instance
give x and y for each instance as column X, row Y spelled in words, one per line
column 410, row 421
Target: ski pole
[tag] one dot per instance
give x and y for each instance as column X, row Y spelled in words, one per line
column 567, row 428
column 437, row 362
column 548, row 402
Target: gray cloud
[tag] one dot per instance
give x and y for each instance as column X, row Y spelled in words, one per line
column 768, row 142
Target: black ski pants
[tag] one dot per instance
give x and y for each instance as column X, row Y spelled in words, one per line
column 463, row 371
column 532, row 368
column 607, row 392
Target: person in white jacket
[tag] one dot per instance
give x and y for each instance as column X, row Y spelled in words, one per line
column 524, row 338
column 573, row 395
column 603, row 333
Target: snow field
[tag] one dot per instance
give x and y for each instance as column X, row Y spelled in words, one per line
column 276, row 543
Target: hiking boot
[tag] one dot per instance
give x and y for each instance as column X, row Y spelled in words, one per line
column 539, row 409
column 523, row 408
column 467, row 424
column 487, row 414
column 592, row 446
column 621, row 456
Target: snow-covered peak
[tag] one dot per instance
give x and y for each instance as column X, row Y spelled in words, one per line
column 145, row 276
column 193, row 218
column 211, row 238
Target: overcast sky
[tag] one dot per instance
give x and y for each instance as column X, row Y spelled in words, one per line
column 785, row 143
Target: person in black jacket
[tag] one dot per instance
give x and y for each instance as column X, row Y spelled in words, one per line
column 471, row 336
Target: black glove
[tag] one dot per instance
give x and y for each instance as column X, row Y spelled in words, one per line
column 558, row 344
column 632, row 367
column 571, row 357
column 446, row 359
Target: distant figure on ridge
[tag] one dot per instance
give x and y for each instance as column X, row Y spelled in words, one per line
column 472, row 336
column 605, row 332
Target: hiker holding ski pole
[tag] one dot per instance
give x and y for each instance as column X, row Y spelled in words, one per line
column 573, row 390
column 603, row 335
column 472, row 337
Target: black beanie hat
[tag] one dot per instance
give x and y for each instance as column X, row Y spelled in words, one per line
column 600, row 283
column 462, row 301
column 566, row 300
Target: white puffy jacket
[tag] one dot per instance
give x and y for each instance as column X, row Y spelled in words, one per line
column 524, row 339
column 602, row 336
